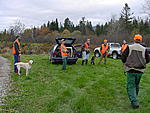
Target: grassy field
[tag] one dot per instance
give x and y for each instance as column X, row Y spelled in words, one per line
column 79, row 89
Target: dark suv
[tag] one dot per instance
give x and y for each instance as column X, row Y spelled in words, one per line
column 55, row 54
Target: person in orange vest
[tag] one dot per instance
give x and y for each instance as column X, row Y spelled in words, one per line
column 64, row 54
column 86, row 51
column 135, row 57
column 104, row 51
column 124, row 46
column 16, row 51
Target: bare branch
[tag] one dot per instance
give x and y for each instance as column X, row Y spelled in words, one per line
column 18, row 28
column 146, row 7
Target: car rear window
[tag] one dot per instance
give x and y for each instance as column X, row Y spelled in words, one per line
column 115, row 45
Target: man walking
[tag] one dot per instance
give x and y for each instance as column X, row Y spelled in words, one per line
column 104, row 51
column 134, row 58
column 16, row 51
column 86, row 51
column 64, row 54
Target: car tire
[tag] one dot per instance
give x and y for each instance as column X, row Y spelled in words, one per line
column 97, row 54
column 114, row 55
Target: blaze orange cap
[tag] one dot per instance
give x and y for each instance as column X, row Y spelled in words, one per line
column 138, row 37
column 105, row 41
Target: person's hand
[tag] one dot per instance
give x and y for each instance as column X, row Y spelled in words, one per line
column 19, row 54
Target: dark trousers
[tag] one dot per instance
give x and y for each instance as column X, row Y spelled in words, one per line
column 64, row 62
column 105, row 58
column 16, row 59
column 133, row 81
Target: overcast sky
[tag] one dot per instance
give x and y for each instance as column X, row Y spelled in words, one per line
column 37, row 12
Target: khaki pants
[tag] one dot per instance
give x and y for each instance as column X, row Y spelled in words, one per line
column 85, row 55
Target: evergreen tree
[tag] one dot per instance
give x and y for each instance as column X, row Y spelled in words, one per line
column 89, row 28
column 44, row 25
column 82, row 25
column 52, row 26
column 98, row 30
column 135, row 24
column 57, row 26
column 144, row 26
column 61, row 28
column 126, row 16
column 48, row 25
column 68, row 25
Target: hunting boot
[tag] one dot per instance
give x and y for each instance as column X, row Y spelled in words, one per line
column 135, row 105
column 82, row 62
column 131, row 89
column 105, row 59
column 86, row 62
column 101, row 58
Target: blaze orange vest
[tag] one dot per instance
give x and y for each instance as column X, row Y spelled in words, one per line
column 13, row 48
column 86, row 46
column 123, row 48
column 104, row 49
column 63, row 53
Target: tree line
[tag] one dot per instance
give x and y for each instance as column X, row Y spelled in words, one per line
column 116, row 30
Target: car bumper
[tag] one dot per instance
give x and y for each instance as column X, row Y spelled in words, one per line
column 59, row 60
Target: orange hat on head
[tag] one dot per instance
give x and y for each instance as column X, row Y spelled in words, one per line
column 137, row 37
column 105, row 41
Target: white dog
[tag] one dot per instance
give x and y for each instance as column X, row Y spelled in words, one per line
column 26, row 66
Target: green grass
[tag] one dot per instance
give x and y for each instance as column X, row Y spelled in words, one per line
column 79, row 89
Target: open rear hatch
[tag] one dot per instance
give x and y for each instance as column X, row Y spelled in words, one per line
column 68, row 41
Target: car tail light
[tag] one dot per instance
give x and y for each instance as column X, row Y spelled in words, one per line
column 54, row 54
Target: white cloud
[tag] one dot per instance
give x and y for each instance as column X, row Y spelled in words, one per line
column 37, row 12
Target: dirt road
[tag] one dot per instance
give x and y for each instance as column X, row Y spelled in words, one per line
column 4, row 77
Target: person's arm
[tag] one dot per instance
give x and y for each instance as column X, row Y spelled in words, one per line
column 89, row 46
column 147, row 56
column 108, row 48
column 100, row 48
column 125, row 55
column 64, row 49
column 121, row 47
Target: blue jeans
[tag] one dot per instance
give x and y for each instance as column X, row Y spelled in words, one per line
column 16, row 59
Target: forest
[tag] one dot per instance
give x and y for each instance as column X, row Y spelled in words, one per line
column 115, row 30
